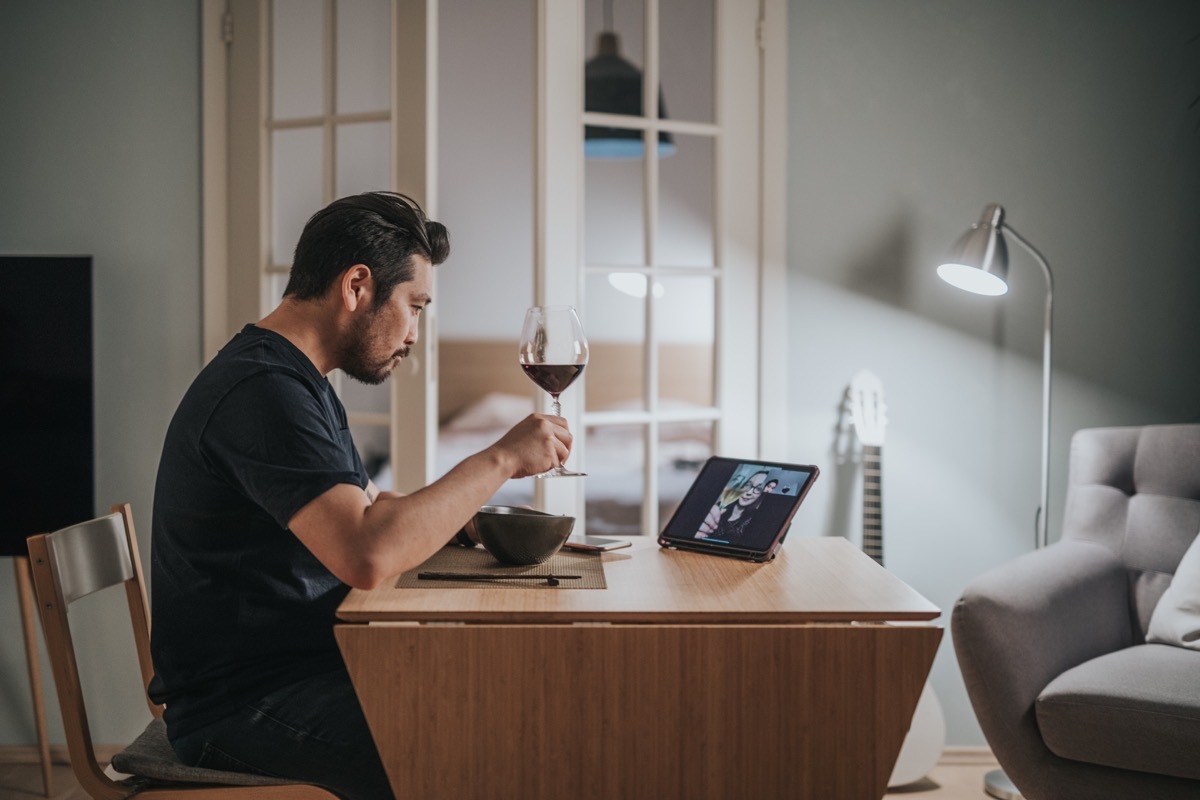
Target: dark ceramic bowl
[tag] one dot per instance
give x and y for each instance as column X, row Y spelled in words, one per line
column 521, row 536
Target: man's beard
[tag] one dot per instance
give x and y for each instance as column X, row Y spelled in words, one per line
column 356, row 360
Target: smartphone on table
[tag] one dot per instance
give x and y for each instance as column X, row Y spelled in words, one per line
column 595, row 544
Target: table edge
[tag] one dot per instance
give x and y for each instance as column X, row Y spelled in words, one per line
column 658, row 618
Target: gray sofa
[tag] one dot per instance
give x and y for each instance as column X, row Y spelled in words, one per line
column 1072, row 699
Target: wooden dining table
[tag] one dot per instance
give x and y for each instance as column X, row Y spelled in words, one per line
column 689, row 676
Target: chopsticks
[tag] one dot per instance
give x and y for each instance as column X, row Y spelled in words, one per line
column 551, row 580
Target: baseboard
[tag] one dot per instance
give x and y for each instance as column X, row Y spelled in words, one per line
column 966, row 756
column 29, row 754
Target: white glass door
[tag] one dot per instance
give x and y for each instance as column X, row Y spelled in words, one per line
column 665, row 211
column 316, row 114
column 673, row 254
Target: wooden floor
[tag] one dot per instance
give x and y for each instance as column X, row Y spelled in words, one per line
column 959, row 779
column 948, row 781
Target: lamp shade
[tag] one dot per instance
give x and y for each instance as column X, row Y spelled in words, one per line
column 978, row 261
column 613, row 85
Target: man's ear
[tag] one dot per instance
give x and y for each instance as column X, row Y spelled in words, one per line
column 355, row 287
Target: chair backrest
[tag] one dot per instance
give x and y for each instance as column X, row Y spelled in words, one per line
column 67, row 565
column 72, row 563
column 1137, row 490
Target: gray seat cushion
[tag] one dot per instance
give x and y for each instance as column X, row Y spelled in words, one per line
column 151, row 756
column 1137, row 708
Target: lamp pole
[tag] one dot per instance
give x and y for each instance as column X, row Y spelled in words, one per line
column 1040, row 525
column 978, row 263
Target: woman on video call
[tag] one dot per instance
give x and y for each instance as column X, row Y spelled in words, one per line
column 734, row 510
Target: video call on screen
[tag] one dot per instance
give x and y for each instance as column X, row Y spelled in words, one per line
column 769, row 491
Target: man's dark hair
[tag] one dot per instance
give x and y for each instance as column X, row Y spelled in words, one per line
column 383, row 230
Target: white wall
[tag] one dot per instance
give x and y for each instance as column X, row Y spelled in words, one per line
column 100, row 155
column 905, row 120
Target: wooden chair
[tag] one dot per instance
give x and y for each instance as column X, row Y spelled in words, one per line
column 77, row 561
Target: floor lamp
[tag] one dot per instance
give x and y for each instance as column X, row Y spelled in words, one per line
column 978, row 263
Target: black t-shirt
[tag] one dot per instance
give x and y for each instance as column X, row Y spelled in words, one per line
column 239, row 604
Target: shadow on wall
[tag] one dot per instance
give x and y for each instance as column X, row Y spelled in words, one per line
column 842, row 474
column 890, row 268
column 882, row 268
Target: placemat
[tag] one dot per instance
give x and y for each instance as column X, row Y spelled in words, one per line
column 475, row 560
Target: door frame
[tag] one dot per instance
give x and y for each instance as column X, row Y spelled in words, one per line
column 558, row 236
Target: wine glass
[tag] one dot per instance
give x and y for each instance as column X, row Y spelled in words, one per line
column 553, row 353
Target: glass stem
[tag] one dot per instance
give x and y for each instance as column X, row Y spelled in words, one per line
column 559, row 470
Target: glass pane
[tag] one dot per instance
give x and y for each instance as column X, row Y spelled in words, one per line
column 373, row 445
column 683, row 447
column 364, row 157
column 364, row 55
column 372, row 440
column 685, row 54
column 615, row 46
column 297, row 58
column 614, row 212
column 487, row 111
column 685, row 204
column 296, row 192
column 361, row 397
column 685, row 323
column 493, row 408
column 614, row 487
column 276, row 283
column 487, row 116
column 615, row 321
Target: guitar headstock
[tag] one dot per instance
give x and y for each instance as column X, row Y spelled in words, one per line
column 868, row 412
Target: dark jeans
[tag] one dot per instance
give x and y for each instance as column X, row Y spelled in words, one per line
column 311, row 731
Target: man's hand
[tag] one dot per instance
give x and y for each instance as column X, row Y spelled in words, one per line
column 535, row 444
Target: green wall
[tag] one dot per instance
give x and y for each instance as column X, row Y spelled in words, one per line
column 905, row 119
column 100, row 155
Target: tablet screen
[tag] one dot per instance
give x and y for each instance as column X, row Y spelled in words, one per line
column 739, row 506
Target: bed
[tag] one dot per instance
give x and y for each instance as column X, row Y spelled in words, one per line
column 482, row 394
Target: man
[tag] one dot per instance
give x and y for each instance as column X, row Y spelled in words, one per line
column 264, row 516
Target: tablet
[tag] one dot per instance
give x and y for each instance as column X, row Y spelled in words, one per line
column 739, row 508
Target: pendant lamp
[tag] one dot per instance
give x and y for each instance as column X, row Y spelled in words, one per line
column 612, row 85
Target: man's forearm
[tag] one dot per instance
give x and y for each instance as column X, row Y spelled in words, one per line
column 363, row 542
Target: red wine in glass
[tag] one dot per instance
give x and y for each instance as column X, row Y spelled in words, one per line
column 553, row 353
column 554, row 378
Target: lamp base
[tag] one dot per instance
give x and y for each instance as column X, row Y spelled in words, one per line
column 997, row 784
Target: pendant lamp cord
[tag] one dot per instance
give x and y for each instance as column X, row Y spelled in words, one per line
column 608, row 15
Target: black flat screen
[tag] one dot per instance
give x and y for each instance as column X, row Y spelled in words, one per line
column 47, row 472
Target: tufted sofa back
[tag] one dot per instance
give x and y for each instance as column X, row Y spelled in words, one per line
column 1137, row 491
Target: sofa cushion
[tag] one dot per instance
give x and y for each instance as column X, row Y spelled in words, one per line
column 1176, row 618
column 1137, row 708
column 1136, row 490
